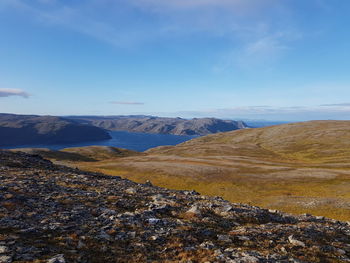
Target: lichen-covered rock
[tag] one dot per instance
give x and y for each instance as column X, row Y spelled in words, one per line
column 57, row 259
column 295, row 242
column 3, row 249
column 51, row 213
column 5, row 259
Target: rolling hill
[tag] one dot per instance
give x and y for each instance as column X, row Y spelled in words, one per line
column 315, row 141
column 299, row 167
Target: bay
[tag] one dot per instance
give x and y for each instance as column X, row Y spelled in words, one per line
column 122, row 139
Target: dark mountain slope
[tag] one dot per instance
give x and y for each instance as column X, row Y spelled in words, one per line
column 51, row 213
column 31, row 129
column 148, row 124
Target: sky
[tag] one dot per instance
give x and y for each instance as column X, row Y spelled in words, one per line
column 232, row 59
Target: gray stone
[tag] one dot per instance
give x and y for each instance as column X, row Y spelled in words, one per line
column 194, row 210
column 57, row 259
column 341, row 252
column 224, row 238
column 130, row 191
column 3, row 249
column 153, row 221
column 5, row 259
column 295, row 242
column 249, row 259
column 207, row 245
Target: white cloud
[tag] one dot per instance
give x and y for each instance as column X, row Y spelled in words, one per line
column 127, row 103
column 13, row 92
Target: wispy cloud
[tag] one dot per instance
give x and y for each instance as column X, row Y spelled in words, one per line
column 119, row 24
column 295, row 113
column 255, row 32
column 336, row 105
column 234, row 5
column 249, row 27
column 260, row 51
column 13, row 92
column 127, row 103
column 75, row 17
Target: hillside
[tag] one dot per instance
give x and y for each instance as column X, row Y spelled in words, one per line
column 299, row 168
column 101, row 152
column 149, row 124
column 315, row 141
column 80, row 154
column 30, row 129
column 51, row 213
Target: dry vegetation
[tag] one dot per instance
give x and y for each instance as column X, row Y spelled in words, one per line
column 298, row 168
column 81, row 154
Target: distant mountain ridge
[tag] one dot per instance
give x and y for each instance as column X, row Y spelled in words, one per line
column 33, row 129
column 160, row 125
column 18, row 130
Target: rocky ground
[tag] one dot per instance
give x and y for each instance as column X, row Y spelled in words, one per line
column 55, row 214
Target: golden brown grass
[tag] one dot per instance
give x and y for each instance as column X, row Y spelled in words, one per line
column 326, row 196
column 101, row 152
column 297, row 168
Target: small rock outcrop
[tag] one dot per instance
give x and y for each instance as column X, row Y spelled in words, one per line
column 56, row 214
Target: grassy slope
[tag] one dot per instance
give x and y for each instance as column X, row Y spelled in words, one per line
column 81, row 154
column 298, row 168
column 311, row 142
column 56, row 155
column 101, row 152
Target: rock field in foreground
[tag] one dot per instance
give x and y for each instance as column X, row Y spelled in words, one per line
column 55, row 214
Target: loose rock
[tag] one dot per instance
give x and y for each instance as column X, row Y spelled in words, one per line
column 56, row 214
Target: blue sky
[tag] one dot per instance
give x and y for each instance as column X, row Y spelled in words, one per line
column 255, row 59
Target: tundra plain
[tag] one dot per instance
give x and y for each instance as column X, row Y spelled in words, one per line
column 296, row 168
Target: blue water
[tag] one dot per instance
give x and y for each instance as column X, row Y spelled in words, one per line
column 128, row 140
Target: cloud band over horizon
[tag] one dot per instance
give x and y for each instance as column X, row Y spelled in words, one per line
column 127, row 103
column 13, row 92
column 295, row 113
